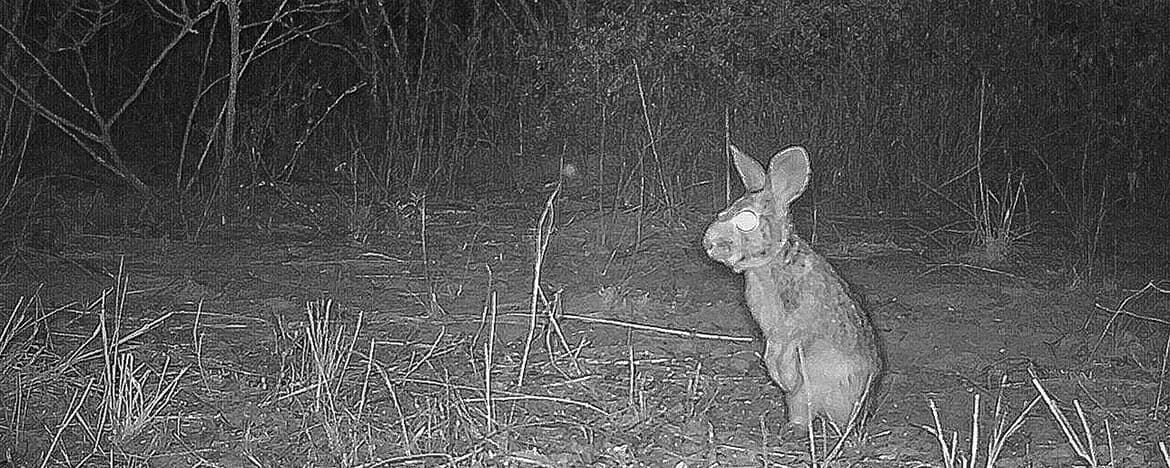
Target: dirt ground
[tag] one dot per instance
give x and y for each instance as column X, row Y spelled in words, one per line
column 611, row 371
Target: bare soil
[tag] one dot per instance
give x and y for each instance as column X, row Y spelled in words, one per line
column 639, row 390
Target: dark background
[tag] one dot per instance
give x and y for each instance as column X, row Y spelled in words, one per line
column 963, row 107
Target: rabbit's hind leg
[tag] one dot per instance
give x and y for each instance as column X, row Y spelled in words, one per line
column 838, row 383
column 802, row 407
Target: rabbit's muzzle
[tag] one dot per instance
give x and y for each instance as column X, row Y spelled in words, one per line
column 725, row 244
column 721, row 242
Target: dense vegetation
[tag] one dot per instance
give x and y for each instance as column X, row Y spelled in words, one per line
column 1048, row 106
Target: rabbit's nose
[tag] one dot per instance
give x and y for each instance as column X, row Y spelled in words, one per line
column 717, row 246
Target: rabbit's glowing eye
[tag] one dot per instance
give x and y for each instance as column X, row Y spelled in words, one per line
column 746, row 220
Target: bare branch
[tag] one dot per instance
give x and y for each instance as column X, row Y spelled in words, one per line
column 169, row 15
column 44, row 69
column 188, row 26
column 27, row 99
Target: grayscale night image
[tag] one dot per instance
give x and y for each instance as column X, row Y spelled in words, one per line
column 584, row 233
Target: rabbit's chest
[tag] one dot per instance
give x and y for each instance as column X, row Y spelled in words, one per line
column 782, row 304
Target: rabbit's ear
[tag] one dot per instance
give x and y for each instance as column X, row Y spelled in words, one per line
column 788, row 173
column 750, row 171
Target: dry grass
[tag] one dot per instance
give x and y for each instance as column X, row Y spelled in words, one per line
column 533, row 380
column 994, row 214
column 131, row 404
column 1078, row 433
column 329, row 351
column 1080, row 439
column 952, row 453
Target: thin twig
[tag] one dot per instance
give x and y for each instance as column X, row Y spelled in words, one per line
column 657, row 329
column 503, row 395
column 973, row 267
column 1161, row 379
column 71, row 412
column 544, row 229
column 1121, row 311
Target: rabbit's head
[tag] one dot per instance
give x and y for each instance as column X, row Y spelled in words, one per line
column 756, row 228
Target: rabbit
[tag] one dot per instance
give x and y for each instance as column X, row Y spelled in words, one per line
column 821, row 348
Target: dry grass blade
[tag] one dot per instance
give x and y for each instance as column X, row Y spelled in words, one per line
column 489, row 349
column 330, row 353
column 401, row 461
column 1083, row 448
column 500, row 395
column 657, row 329
column 132, row 405
column 407, row 442
column 994, row 216
column 323, row 342
column 144, row 329
column 555, row 310
column 129, row 401
column 15, row 342
column 361, row 409
column 998, row 234
column 71, row 412
column 856, row 423
column 1120, row 310
column 632, row 388
column 489, row 412
column 1161, row 378
column 938, row 266
column 949, row 448
column 430, row 352
column 18, row 322
column 1000, row 433
column 812, row 443
column 544, row 229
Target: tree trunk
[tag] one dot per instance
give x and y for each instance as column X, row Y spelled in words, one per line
column 229, row 129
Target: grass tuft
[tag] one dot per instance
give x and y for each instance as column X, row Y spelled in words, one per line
column 133, row 395
column 329, row 353
column 1001, row 431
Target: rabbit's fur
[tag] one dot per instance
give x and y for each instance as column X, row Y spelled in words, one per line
column 820, row 346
